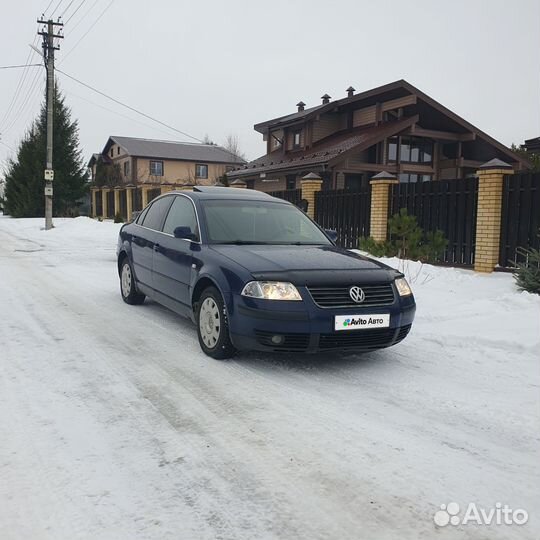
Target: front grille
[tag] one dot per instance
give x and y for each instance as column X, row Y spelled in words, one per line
column 291, row 342
column 363, row 340
column 377, row 294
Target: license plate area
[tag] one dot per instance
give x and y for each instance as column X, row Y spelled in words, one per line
column 361, row 322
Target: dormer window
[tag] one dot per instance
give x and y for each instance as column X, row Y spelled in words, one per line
column 276, row 143
column 296, row 139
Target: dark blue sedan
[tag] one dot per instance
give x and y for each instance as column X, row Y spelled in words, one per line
column 255, row 273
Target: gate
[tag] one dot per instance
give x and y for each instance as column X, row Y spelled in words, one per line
column 347, row 212
column 520, row 217
column 447, row 205
column 292, row 195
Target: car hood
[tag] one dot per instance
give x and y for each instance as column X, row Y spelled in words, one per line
column 305, row 265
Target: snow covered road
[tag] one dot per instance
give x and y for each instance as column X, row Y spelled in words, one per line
column 113, row 424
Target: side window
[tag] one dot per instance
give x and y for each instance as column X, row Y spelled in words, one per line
column 181, row 214
column 156, row 213
column 141, row 216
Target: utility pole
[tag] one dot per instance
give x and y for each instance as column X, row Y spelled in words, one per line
column 48, row 55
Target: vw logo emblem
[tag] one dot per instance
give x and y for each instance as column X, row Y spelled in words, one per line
column 357, row 294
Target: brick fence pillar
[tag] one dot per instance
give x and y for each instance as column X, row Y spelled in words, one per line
column 238, row 184
column 105, row 202
column 129, row 202
column 117, row 200
column 380, row 184
column 488, row 217
column 93, row 212
column 310, row 184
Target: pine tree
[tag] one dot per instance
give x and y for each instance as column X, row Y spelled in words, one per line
column 24, row 180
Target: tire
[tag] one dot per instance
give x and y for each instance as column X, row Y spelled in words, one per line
column 213, row 325
column 128, row 289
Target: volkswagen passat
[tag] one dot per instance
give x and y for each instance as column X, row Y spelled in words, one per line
column 255, row 273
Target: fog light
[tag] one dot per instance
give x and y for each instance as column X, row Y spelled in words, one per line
column 277, row 340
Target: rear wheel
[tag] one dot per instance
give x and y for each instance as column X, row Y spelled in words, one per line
column 213, row 325
column 130, row 295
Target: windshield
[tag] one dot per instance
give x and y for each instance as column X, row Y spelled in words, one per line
column 259, row 222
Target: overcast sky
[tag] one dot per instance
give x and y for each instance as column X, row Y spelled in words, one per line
column 219, row 67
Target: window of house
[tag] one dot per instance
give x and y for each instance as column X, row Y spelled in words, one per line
column 413, row 178
column 118, row 151
column 392, row 149
column 156, row 168
column 126, row 168
column 201, row 171
column 411, row 150
column 276, row 142
column 291, row 182
column 112, row 151
column 296, row 139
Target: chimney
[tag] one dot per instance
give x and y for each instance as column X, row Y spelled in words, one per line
column 350, row 91
column 300, row 106
column 326, row 99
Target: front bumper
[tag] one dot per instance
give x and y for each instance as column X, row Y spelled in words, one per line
column 306, row 327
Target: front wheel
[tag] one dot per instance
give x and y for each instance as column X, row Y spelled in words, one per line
column 130, row 295
column 213, row 325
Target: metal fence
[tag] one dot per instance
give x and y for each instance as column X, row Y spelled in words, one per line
column 520, row 218
column 446, row 205
column 292, row 195
column 347, row 212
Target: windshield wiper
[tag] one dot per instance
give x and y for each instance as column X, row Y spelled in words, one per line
column 243, row 243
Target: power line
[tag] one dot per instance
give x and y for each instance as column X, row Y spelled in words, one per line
column 57, row 6
column 68, row 6
column 116, row 112
column 84, row 15
column 23, row 105
column 7, row 146
column 48, row 6
column 76, row 9
column 128, row 106
column 88, row 31
column 21, row 66
column 22, row 80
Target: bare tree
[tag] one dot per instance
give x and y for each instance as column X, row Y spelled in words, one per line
column 207, row 139
column 232, row 145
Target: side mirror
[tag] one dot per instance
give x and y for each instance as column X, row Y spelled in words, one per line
column 184, row 233
column 331, row 233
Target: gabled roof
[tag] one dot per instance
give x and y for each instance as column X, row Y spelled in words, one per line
column 401, row 88
column 152, row 148
column 325, row 151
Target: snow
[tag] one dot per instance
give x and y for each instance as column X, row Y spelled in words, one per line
column 113, row 424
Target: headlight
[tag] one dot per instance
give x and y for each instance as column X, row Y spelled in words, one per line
column 271, row 290
column 402, row 287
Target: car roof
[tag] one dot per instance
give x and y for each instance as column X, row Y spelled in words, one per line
column 212, row 192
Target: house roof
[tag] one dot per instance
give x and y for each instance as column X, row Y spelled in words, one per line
column 401, row 88
column 331, row 148
column 184, row 151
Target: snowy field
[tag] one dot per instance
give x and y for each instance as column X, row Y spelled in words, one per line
column 113, row 424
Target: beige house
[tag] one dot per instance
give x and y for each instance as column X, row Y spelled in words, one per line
column 129, row 160
column 130, row 172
